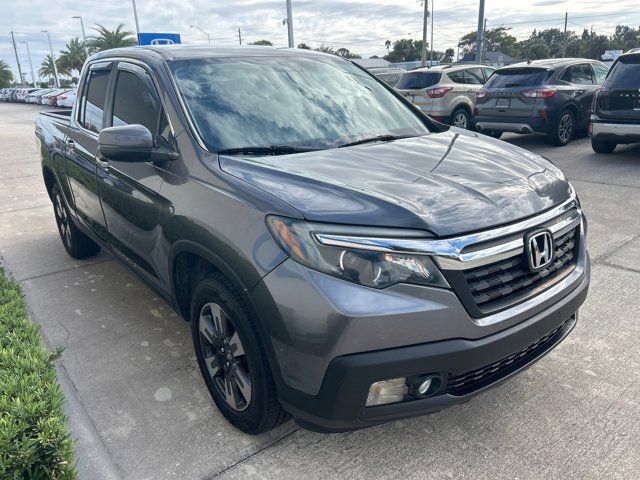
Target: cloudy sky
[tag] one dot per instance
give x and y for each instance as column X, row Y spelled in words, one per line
column 361, row 26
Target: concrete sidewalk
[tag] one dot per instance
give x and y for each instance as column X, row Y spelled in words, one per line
column 140, row 409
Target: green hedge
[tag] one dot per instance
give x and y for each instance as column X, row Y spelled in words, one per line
column 34, row 442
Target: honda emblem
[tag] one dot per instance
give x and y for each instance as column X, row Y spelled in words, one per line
column 539, row 249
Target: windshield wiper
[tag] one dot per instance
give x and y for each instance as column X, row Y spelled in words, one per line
column 379, row 138
column 262, row 150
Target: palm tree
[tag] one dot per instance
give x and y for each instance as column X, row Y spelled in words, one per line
column 74, row 56
column 6, row 75
column 107, row 39
column 46, row 68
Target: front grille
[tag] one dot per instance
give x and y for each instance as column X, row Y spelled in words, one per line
column 507, row 281
column 468, row 382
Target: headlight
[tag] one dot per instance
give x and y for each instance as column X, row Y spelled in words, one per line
column 372, row 268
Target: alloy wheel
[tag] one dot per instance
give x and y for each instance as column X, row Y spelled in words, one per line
column 62, row 219
column 565, row 128
column 224, row 356
column 460, row 121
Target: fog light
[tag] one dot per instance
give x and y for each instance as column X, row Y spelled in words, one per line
column 424, row 386
column 387, row 391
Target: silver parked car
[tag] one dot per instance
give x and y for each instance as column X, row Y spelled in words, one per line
column 447, row 93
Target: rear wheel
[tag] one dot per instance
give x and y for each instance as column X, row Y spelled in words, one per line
column 562, row 129
column 232, row 359
column 603, row 147
column 76, row 243
column 461, row 119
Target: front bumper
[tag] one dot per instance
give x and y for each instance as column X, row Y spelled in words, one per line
column 340, row 403
column 615, row 132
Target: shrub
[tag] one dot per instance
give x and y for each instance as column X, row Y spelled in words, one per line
column 34, row 441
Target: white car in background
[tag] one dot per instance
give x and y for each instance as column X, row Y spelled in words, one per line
column 67, row 99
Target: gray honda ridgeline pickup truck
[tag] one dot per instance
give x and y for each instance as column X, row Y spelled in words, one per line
column 342, row 258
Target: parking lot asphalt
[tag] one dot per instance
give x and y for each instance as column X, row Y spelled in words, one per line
column 140, row 410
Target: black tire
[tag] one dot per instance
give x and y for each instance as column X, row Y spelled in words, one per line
column 603, row 147
column 562, row 129
column 76, row 243
column 461, row 119
column 221, row 366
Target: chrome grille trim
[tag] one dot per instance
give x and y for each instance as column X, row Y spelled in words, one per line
column 449, row 253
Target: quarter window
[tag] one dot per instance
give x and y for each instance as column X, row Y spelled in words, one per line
column 94, row 100
column 600, row 72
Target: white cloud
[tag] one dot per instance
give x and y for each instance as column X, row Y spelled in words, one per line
column 361, row 26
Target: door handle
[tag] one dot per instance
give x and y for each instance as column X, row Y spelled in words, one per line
column 70, row 143
column 579, row 92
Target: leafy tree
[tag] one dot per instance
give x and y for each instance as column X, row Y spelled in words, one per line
column 107, row 39
column 496, row 39
column 304, row 46
column 345, row 53
column 325, row 49
column 266, row 43
column 387, row 45
column 74, row 56
column 448, row 55
column 405, row 50
column 46, row 68
column 625, row 38
column 6, row 75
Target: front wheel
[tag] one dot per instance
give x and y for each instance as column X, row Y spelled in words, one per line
column 602, row 147
column 562, row 129
column 232, row 359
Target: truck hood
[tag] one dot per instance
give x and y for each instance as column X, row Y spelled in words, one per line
column 447, row 183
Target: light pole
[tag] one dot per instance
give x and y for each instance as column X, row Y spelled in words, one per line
column 135, row 15
column 84, row 35
column 206, row 33
column 290, row 24
column 480, row 34
column 53, row 59
column 33, row 77
column 15, row 50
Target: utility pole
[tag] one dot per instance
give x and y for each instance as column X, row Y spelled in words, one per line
column 135, row 15
column 33, row 77
column 484, row 41
column 53, row 59
column 480, row 36
column 290, row 24
column 425, row 19
column 432, row 3
column 564, row 40
column 15, row 50
column 239, row 36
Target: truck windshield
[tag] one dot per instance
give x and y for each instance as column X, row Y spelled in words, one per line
column 304, row 102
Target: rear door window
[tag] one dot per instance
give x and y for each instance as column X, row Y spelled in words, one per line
column 457, row 77
column 518, row 77
column 578, row 74
column 487, row 73
column 94, row 98
column 473, row 76
column 418, row 80
column 625, row 73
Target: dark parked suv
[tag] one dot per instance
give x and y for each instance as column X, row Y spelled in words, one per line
column 616, row 106
column 545, row 96
column 341, row 257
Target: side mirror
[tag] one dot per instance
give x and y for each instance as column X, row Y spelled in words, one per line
column 126, row 143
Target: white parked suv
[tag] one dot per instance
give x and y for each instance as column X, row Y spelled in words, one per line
column 447, row 93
